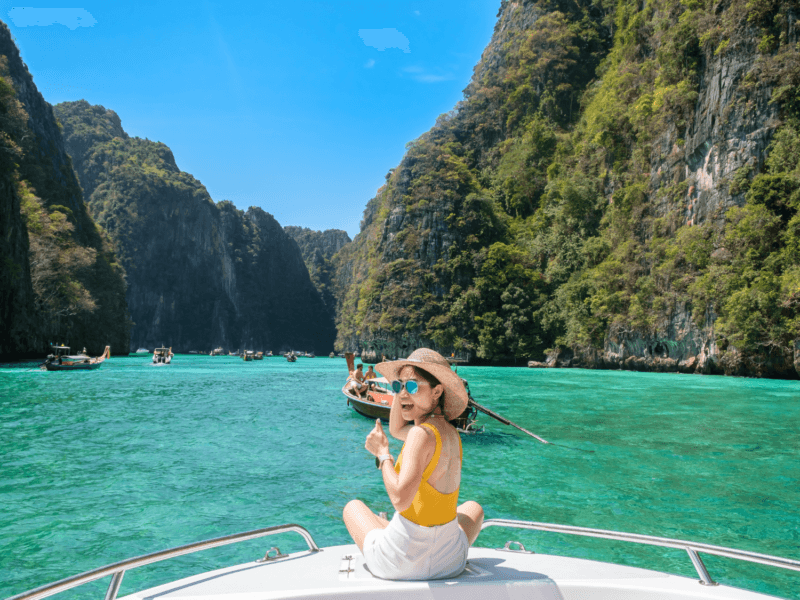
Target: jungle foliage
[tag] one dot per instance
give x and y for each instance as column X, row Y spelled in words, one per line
column 541, row 179
column 78, row 286
column 200, row 273
column 317, row 249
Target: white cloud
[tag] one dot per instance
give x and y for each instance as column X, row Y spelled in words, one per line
column 384, row 38
column 420, row 74
column 27, row 16
column 430, row 78
column 370, row 63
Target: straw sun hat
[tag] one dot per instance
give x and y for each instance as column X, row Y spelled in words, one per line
column 455, row 395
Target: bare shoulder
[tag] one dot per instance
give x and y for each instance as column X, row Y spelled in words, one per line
column 421, row 437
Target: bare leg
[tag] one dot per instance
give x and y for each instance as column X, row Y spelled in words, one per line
column 470, row 518
column 360, row 520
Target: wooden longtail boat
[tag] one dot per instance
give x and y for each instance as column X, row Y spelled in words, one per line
column 62, row 360
column 291, row 357
column 259, row 356
column 248, row 355
column 376, row 403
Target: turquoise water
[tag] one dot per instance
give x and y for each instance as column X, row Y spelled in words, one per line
column 100, row 466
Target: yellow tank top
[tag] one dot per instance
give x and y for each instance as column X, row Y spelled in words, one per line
column 431, row 507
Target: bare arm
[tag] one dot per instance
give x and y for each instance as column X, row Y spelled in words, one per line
column 398, row 426
column 418, row 452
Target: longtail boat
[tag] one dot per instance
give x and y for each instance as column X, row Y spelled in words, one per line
column 376, row 402
column 259, row 356
column 62, row 360
column 248, row 355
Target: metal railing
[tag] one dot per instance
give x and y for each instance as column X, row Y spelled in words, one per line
column 692, row 548
column 117, row 570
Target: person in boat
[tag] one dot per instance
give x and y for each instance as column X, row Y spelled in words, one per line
column 357, row 377
column 430, row 533
column 370, row 374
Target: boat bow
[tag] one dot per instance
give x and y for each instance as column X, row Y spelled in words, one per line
column 339, row 572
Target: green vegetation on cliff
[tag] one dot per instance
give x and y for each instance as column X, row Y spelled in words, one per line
column 54, row 248
column 318, row 249
column 200, row 274
column 552, row 208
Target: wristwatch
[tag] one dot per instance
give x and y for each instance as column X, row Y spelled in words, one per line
column 379, row 459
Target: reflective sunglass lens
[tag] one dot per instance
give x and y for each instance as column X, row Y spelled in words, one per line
column 411, row 386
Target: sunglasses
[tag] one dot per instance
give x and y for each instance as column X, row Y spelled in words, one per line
column 411, row 386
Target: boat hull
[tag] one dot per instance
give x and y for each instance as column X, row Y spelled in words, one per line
column 340, row 573
column 377, row 406
column 79, row 362
column 74, row 367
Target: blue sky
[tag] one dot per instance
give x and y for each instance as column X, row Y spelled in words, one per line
column 300, row 107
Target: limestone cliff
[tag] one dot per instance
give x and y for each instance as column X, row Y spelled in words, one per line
column 618, row 189
column 200, row 274
column 318, row 249
column 60, row 281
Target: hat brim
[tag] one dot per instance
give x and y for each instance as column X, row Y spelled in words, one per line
column 456, row 398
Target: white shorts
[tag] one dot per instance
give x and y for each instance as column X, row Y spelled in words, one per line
column 407, row 551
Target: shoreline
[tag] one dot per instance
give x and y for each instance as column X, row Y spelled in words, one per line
column 729, row 364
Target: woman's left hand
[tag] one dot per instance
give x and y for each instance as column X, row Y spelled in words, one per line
column 377, row 442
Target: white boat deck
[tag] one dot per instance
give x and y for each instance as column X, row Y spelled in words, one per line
column 490, row 574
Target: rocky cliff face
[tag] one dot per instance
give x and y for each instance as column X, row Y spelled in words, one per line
column 328, row 242
column 200, row 274
column 19, row 334
column 60, row 281
column 318, row 249
column 605, row 196
column 727, row 132
column 406, row 279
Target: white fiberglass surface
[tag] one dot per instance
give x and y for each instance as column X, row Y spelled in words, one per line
column 339, row 572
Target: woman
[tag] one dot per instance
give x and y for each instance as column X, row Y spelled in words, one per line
column 429, row 535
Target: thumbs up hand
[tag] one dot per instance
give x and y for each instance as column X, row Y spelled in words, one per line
column 377, row 442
